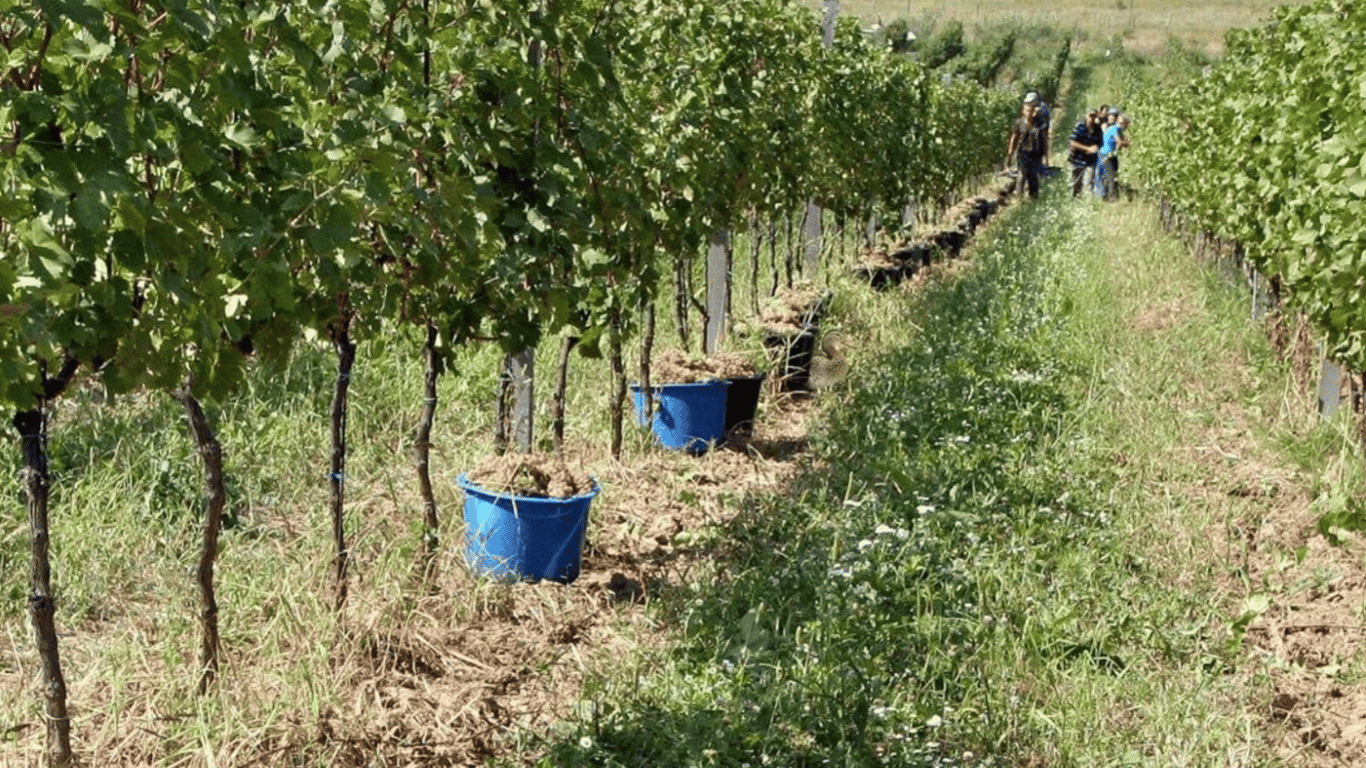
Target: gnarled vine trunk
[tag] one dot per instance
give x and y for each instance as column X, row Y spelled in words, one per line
column 557, row 403
column 682, row 298
column 755, row 258
column 617, row 397
column 422, row 453
column 215, row 496
column 346, row 358
column 42, row 608
column 647, row 345
column 502, row 420
column 790, row 261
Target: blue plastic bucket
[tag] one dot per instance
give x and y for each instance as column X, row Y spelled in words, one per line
column 691, row 417
column 524, row 538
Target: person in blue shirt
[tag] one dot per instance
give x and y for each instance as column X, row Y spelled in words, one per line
column 1085, row 147
column 1107, row 162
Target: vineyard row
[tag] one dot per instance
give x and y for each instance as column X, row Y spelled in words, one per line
column 1268, row 150
column 185, row 187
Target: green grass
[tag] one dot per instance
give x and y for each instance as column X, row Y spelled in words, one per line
column 1004, row 562
column 1003, row 552
column 1003, row 549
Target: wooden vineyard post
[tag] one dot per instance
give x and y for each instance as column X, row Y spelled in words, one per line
column 831, row 9
column 521, row 369
column 718, row 289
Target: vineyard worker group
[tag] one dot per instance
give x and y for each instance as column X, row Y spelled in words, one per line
column 1029, row 144
column 1114, row 139
column 1085, row 144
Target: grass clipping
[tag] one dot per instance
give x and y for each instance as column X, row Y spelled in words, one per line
column 676, row 367
column 533, row 475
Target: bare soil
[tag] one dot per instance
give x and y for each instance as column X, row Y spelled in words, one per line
column 1309, row 639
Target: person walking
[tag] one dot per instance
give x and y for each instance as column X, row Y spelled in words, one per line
column 1084, row 146
column 1113, row 140
column 1028, row 145
column 1045, row 118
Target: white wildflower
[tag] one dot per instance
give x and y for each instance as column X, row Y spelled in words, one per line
column 883, row 529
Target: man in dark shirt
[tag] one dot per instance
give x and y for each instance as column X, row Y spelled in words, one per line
column 1028, row 145
column 1084, row 145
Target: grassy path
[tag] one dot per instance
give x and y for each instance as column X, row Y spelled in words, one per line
column 1028, row 540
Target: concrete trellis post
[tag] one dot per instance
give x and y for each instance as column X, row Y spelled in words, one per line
column 521, row 366
column 718, row 289
column 811, row 239
column 811, row 232
column 1261, row 296
column 521, row 372
column 1332, row 383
